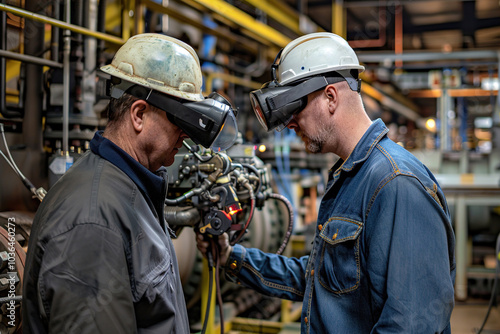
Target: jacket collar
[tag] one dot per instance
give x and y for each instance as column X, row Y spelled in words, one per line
column 364, row 147
column 152, row 185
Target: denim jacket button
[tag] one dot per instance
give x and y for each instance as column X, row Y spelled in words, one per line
column 233, row 265
column 305, row 320
column 320, row 227
column 312, row 272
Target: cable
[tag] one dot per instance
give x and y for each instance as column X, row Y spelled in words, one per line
column 242, row 232
column 494, row 291
column 10, row 160
column 214, row 251
column 38, row 193
column 217, row 285
column 290, row 222
column 210, row 287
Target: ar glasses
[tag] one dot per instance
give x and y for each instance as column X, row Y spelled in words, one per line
column 275, row 105
column 210, row 122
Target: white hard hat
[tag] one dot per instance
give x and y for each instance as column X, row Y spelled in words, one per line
column 161, row 63
column 313, row 54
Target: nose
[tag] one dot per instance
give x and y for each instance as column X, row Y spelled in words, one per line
column 292, row 125
column 183, row 135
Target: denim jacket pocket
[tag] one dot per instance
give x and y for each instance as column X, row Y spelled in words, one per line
column 339, row 270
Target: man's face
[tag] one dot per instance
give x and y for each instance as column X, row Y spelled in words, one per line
column 309, row 126
column 165, row 139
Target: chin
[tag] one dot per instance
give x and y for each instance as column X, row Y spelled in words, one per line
column 169, row 161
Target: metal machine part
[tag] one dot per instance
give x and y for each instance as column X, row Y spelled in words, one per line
column 216, row 192
column 213, row 193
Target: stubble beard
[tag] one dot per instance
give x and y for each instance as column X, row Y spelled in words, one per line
column 315, row 143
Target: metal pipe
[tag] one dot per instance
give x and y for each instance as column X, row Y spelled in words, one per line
column 29, row 59
column 246, row 21
column 398, row 34
column 229, row 78
column 385, row 100
column 3, row 72
column 101, row 22
column 444, row 104
column 427, row 56
column 338, row 18
column 90, row 61
column 289, row 21
column 179, row 15
column 54, row 35
column 180, row 216
column 382, row 32
column 61, row 24
column 66, row 78
column 125, row 19
column 32, row 95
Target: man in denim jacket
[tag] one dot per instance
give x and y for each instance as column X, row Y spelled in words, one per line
column 383, row 253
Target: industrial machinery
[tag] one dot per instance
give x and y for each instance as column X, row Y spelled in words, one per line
column 214, row 193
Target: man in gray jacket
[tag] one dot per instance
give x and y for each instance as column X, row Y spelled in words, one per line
column 100, row 255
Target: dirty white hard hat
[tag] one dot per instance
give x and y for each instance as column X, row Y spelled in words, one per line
column 314, row 54
column 159, row 62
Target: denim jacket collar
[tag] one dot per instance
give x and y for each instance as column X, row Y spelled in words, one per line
column 370, row 139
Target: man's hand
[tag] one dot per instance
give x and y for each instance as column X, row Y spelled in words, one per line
column 224, row 247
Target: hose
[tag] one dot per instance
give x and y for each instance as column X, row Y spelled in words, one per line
column 256, row 172
column 38, row 193
column 290, row 222
column 250, row 216
column 217, row 285
column 210, row 287
column 214, row 261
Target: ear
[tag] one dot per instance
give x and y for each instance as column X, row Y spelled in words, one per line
column 332, row 95
column 137, row 110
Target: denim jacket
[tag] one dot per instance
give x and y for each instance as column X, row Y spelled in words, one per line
column 383, row 254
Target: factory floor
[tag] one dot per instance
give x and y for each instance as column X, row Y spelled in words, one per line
column 467, row 318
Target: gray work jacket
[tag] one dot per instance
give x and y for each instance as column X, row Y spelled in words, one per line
column 100, row 257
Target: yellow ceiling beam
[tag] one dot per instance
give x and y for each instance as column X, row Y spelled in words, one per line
column 246, row 21
column 455, row 92
column 291, row 22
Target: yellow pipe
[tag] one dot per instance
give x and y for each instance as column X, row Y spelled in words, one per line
column 338, row 18
column 288, row 21
column 370, row 91
column 139, row 18
column 61, row 24
column 229, row 78
column 246, row 21
column 205, row 280
column 113, row 16
column 125, row 20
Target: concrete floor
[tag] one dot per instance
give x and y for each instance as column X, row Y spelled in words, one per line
column 468, row 317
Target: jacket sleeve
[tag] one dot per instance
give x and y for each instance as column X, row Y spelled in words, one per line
column 270, row 274
column 409, row 257
column 84, row 282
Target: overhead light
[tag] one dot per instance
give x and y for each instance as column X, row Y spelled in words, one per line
column 430, row 124
column 490, row 84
